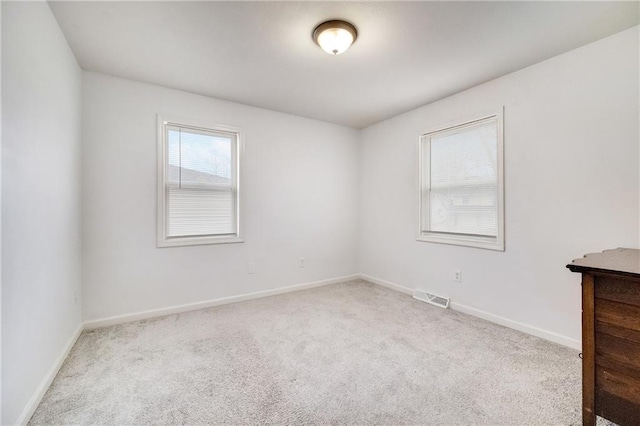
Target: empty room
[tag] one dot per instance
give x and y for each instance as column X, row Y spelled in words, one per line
column 345, row 213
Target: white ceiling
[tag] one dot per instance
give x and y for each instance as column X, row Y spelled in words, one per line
column 261, row 53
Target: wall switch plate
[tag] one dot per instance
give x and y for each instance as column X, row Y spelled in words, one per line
column 252, row 268
column 457, row 275
column 302, row 261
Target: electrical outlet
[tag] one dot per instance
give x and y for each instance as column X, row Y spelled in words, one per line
column 302, row 262
column 457, row 275
column 252, row 268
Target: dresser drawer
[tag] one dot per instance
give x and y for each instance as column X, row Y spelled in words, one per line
column 618, row 354
column 619, row 314
column 617, row 290
column 617, row 396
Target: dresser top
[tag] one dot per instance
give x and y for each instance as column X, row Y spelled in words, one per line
column 621, row 261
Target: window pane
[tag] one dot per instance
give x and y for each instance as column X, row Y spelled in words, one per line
column 200, row 198
column 463, row 175
column 198, row 157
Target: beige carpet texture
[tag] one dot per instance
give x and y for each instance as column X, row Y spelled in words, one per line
column 352, row 353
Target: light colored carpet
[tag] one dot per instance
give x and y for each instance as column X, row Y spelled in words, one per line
column 351, row 353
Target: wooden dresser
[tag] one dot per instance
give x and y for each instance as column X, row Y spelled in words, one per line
column 610, row 335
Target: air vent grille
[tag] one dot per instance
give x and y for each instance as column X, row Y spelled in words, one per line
column 440, row 301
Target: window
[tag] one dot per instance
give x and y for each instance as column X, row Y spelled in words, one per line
column 461, row 184
column 197, row 184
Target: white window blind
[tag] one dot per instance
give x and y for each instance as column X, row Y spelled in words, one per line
column 461, row 183
column 199, row 184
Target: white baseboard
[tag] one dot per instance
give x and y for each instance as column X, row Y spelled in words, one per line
column 35, row 400
column 387, row 284
column 119, row 319
column 525, row 328
column 48, row 379
column 51, row 374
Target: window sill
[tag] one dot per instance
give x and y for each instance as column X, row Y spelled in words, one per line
column 199, row 241
column 477, row 242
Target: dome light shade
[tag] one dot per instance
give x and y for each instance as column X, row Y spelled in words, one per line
column 334, row 37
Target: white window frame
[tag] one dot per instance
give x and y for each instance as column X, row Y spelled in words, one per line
column 163, row 240
column 485, row 242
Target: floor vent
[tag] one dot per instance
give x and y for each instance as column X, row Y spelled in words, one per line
column 440, row 301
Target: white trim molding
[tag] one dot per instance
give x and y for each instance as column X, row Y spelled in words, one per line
column 387, row 284
column 170, row 310
column 425, row 230
column 520, row 326
column 42, row 388
column 235, row 135
column 496, row 319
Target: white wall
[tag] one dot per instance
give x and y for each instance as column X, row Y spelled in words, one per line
column 299, row 199
column 571, row 186
column 41, row 105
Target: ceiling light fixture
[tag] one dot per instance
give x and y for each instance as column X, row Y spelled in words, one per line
column 334, row 37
